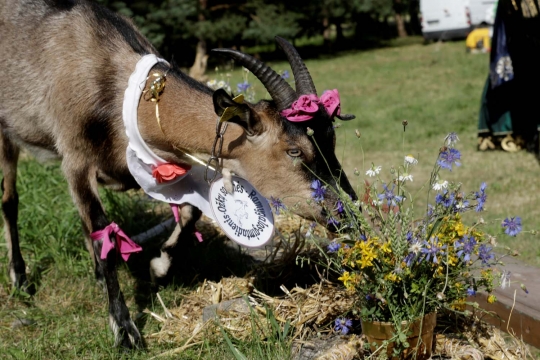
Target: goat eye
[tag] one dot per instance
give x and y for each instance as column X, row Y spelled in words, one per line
column 294, row 153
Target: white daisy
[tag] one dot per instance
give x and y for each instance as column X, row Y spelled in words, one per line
column 212, row 83
column 376, row 202
column 373, row 171
column 439, row 185
column 405, row 177
column 409, row 159
column 416, row 248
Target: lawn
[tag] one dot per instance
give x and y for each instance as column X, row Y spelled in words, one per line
column 435, row 87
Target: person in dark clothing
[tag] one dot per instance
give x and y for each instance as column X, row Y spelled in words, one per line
column 509, row 112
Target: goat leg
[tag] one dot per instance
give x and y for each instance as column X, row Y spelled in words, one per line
column 9, row 155
column 82, row 181
column 159, row 266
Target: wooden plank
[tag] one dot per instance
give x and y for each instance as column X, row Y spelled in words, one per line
column 516, row 311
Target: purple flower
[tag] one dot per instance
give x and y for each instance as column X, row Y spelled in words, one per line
column 512, row 225
column 389, row 196
column 243, row 86
column 471, row 292
column 318, row 190
column 467, row 245
column 430, row 210
column 432, row 248
column 277, row 204
column 363, row 237
column 339, row 207
column 285, row 74
column 448, row 158
column 333, row 221
column 343, row 325
column 481, row 197
column 333, row 247
column 484, row 254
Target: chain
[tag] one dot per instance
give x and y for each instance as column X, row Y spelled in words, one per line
column 213, row 161
column 156, row 88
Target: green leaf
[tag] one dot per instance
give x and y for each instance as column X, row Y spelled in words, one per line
column 237, row 354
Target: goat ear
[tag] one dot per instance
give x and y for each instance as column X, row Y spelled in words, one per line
column 235, row 111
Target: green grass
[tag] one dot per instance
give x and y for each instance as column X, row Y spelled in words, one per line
column 436, row 88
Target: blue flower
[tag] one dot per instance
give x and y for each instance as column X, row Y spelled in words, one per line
column 285, row 74
column 471, row 292
column 409, row 237
column 363, row 237
column 318, row 190
column 445, row 199
column 432, row 248
column 467, row 245
column 277, row 204
column 389, row 196
column 448, row 158
column 512, row 225
column 343, row 325
column 409, row 259
column 481, row 197
column 243, row 86
column 430, row 210
column 484, row 254
column 333, row 247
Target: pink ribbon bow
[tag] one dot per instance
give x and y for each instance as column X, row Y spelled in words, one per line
column 124, row 245
column 331, row 102
column 307, row 105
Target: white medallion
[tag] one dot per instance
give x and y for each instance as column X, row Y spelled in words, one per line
column 245, row 215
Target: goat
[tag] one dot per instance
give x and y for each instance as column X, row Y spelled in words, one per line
column 69, row 62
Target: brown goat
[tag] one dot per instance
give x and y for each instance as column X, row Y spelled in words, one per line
column 68, row 63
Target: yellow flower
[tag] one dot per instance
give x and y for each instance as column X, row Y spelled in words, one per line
column 452, row 260
column 491, row 299
column 367, row 253
column 365, row 262
column 347, row 279
column 459, row 305
column 386, row 248
column 392, row 277
column 460, row 228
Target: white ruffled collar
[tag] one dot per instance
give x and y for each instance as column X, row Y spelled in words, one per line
column 190, row 188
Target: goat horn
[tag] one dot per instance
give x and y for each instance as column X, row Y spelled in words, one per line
column 280, row 91
column 302, row 78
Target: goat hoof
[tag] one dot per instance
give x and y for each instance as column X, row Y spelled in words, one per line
column 22, row 284
column 126, row 335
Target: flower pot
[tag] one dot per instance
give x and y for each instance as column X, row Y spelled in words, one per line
column 419, row 343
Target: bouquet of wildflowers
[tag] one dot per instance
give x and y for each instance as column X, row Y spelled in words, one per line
column 404, row 265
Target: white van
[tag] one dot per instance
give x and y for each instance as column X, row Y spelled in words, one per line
column 451, row 19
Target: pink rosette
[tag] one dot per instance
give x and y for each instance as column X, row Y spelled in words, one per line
column 302, row 109
column 331, row 102
column 168, row 172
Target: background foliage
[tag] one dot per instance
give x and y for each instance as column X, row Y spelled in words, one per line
column 176, row 26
